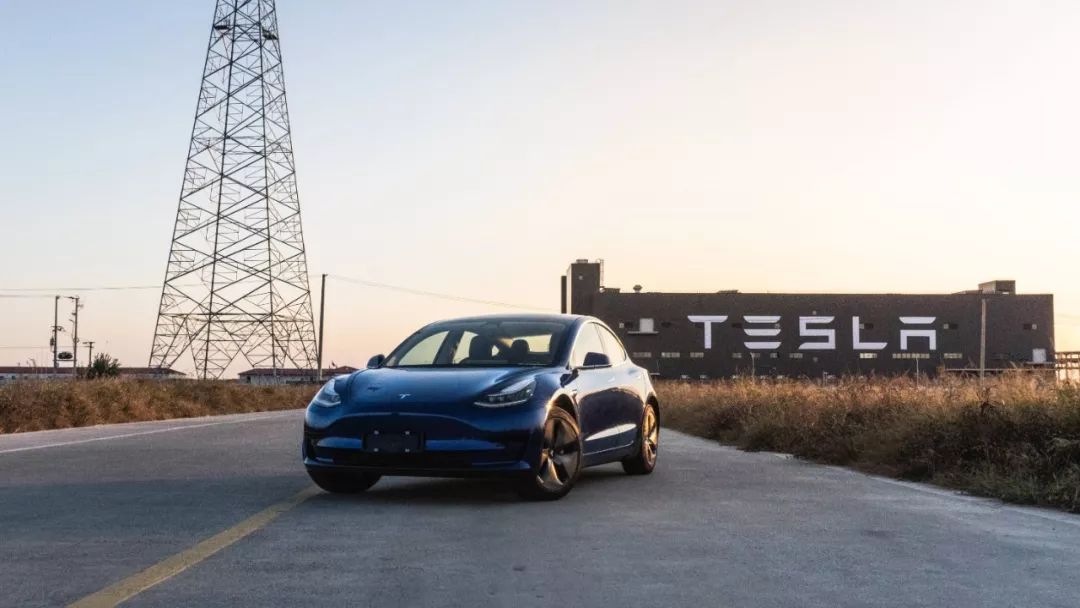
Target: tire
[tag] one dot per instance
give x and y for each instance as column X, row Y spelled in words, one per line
column 560, row 459
column 339, row 482
column 644, row 461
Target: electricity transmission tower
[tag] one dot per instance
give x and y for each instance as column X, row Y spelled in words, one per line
column 236, row 281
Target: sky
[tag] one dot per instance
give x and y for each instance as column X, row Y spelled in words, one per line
column 476, row 148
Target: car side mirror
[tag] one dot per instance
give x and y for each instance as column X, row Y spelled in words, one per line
column 596, row 360
column 375, row 361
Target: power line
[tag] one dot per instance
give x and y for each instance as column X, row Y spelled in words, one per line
column 432, row 294
column 57, row 289
column 364, row 282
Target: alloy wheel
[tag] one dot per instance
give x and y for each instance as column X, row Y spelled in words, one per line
column 650, row 436
column 559, row 455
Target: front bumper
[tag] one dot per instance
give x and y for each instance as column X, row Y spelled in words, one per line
column 499, row 444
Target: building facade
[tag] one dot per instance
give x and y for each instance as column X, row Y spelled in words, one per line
column 727, row 333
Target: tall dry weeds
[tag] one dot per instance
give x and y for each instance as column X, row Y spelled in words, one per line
column 36, row 405
column 1014, row 438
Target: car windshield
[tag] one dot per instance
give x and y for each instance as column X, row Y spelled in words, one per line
column 481, row 343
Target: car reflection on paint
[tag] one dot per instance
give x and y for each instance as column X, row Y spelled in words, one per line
column 530, row 398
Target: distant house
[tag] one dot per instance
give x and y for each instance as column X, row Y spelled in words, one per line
column 270, row 376
column 151, row 373
column 9, row 374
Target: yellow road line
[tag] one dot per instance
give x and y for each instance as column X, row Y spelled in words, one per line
column 171, row 566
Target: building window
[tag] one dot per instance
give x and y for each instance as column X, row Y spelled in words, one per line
column 736, row 355
column 670, row 355
column 951, row 326
column 774, row 355
column 953, row 356
column 1031, row 326
column 911, row 355
column 642, row 355
column 697, row 355
column 646, row 326
column 795, row 355
column 868, row 355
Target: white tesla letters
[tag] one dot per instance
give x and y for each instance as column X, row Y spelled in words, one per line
column 817, row 332
column 856, row 338
column 773, row 330
column 925, row 332
column 708, row 320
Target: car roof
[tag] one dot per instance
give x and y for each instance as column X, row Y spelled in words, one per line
column 539, row 317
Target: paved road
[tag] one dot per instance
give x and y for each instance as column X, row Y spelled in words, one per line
column 83, row 509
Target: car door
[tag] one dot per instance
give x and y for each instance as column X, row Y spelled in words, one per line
column 626, row 388
column 593, row 387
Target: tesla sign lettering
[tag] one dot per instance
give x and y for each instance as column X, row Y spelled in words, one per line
column 817, row 332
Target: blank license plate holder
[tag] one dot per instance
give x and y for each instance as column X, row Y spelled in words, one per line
column 392, row 443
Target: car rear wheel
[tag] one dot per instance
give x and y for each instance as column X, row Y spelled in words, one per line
column 560, row 459
column 644, row 461
column 340, row 482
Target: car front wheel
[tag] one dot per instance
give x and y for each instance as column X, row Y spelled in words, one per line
column 560, row 459
column 340, row 482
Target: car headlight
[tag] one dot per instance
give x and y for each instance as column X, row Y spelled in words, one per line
column 515, row 394
column 327, row 396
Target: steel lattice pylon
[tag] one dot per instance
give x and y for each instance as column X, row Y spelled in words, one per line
column 236, row 281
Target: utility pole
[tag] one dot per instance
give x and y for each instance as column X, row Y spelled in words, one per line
column 982, row 342
column 55, row 329
column 322, row 317
column 90, row 360
column 75, row 339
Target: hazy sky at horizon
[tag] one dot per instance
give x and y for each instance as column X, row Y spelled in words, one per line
column 476, row 148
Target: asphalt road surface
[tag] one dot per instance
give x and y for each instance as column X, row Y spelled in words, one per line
column 113, row 510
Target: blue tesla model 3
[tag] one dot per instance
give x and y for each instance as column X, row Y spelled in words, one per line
column 531, row 398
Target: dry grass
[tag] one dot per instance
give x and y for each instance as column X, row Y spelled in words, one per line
column 41, row 405
column 1016, row 438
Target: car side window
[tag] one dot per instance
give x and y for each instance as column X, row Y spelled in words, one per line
column 612, row 346
column 461, row 352
column 588, row 341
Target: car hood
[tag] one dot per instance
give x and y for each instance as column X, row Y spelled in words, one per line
column 389, row 385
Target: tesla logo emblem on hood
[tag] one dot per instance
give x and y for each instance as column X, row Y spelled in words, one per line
column 404, row 395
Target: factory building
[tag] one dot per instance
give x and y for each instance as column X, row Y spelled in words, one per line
column 728, row 333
